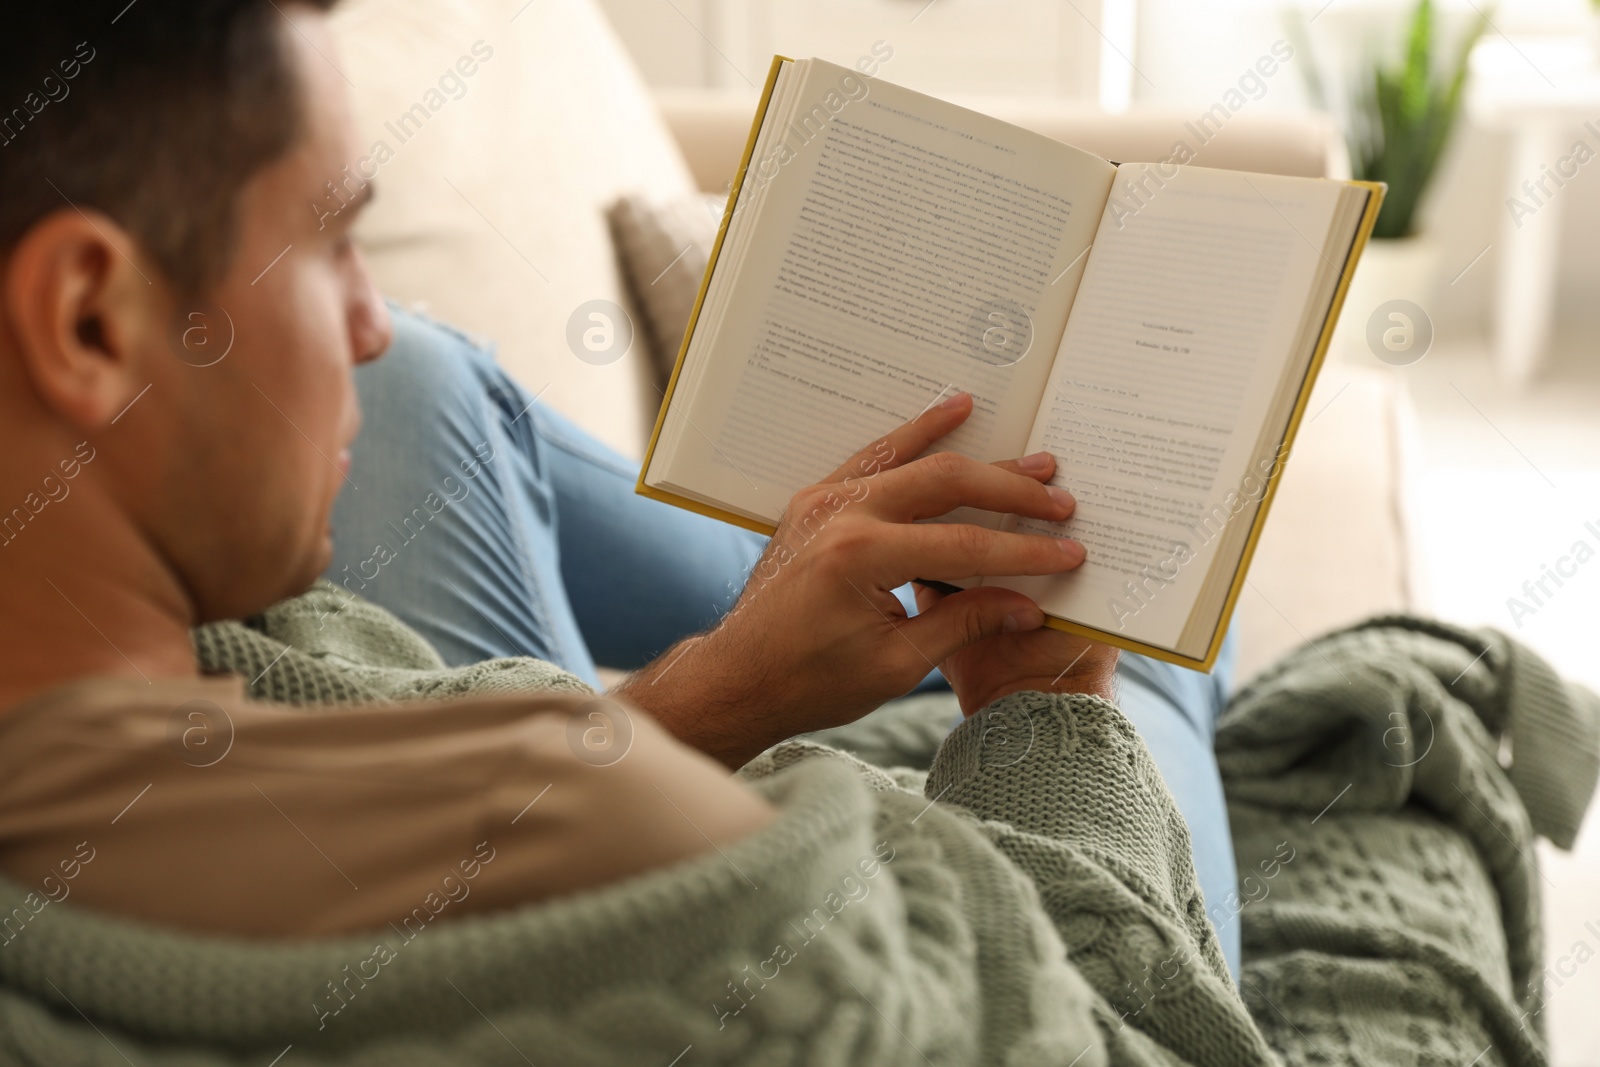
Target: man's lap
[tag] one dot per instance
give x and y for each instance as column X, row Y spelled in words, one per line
column 495, row 527
column 547, row 552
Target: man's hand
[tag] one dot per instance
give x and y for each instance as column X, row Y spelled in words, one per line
column 1044, row 660
column 817, row 638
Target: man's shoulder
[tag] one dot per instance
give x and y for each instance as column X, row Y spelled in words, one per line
column 327, row 620
column 330, row 646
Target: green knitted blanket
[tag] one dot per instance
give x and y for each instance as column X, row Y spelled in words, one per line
column 1027, row 898
column 1410, row 765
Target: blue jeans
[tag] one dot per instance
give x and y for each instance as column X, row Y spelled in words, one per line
column 495, row 527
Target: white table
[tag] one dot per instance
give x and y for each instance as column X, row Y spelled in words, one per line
column 1541, row 92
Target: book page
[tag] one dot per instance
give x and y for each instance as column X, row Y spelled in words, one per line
column 1190, row 309
column 905, row 249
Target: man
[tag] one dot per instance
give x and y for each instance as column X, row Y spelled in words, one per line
column 159, row 180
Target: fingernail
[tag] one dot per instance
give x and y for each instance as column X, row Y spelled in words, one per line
column 1038, row 461
column 1021, row 619
column 1061, row 496
column 955, row 401
column 1074, row 550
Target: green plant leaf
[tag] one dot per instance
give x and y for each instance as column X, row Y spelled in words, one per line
column 1402, row 117
column 1401, row 112
column 1417, row 73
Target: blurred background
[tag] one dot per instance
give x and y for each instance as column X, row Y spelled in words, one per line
column 1449, row 462
column 1502, row 255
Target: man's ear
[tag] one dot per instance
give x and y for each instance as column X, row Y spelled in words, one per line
column 84, row 311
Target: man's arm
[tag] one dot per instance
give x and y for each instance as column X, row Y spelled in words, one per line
column 424, row 808
column 818, row 639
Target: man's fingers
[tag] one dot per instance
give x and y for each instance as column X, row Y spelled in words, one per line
column 908, row 440
column 964, row 618
column 927, row 596
column 949, row 552
column 940, row 483
column 1037, row 465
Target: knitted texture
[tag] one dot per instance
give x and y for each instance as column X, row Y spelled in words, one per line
column 329, row 647
column 1069, row 793
column 1030, row 899
column 874, row 968
column 1391, row 895
column 902, row 733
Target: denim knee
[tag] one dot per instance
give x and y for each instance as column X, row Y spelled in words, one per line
column 427, row 363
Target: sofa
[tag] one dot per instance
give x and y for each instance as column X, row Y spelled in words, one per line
column 501, row 133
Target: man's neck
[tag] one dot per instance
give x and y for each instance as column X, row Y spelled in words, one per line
column 85, row 596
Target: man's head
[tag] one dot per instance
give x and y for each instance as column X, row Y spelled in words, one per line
column 170, row 290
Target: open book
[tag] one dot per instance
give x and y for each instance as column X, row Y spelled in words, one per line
column 1156, row 327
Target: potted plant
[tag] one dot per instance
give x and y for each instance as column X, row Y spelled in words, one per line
column 1398, row 113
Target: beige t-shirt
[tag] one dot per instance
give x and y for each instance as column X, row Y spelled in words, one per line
column 183, row 804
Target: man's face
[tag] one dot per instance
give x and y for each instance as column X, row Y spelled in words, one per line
column 254, row 446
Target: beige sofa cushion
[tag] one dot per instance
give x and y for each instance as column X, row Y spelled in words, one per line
column 712, row 125
column 491, row 210
column 664, row 245
column 1336, row 547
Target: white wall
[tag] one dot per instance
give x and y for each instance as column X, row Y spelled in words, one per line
column 1189, row 52
column 1051, row 48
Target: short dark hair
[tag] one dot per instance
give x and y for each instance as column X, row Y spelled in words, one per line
column 154, row 112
